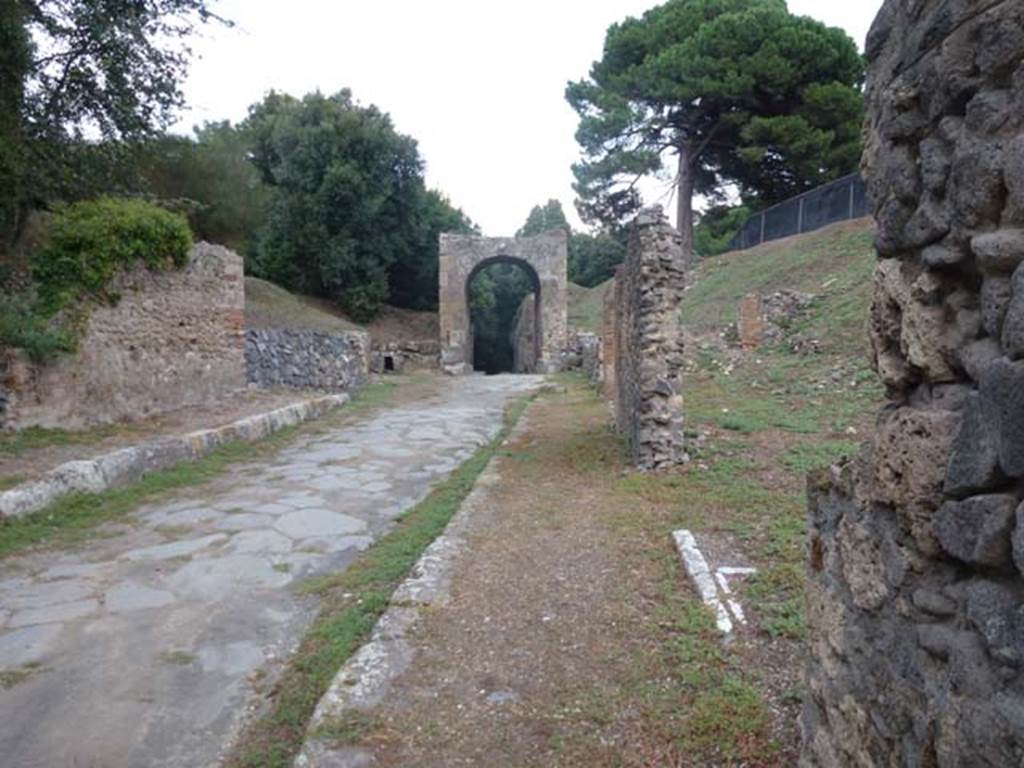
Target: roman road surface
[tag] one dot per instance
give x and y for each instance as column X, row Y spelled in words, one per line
column 143, row 647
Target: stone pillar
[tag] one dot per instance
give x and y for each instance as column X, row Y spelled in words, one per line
column 915, row 594
column 751, row 322
column 648, row 344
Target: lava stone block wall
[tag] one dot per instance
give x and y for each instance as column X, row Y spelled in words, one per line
column 175, row 338
column 916, row 594
column 307, row 359
column 647, row 343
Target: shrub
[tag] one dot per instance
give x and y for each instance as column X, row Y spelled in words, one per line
column 23, row 328
column 86, row 245
column 91, row 241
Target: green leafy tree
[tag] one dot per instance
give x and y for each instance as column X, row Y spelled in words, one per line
column 345, row 191
column 112, row 67
column 414, row 279
column 717, row 226
column 210, row 178
column 544, row 218
column 593, row 258
column 730, row 91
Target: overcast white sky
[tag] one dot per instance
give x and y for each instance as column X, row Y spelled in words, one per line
column 478, row 83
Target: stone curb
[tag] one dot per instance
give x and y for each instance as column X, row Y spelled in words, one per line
column 366, row 677
column 127, row 465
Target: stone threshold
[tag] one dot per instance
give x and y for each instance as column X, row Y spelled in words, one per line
column 126, row 465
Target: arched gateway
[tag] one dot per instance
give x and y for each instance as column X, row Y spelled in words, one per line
column 544, row 258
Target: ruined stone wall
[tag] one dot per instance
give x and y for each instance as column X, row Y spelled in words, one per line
column 915, row 596
column 307, row 359
column 524, row 336
column 646, row 343
column 404, row 356
column 175, row 338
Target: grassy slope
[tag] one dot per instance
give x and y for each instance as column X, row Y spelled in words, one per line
column 835, row 263
column 270, row 306
column 586, row 306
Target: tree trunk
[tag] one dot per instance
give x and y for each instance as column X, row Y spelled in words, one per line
column 684, row 201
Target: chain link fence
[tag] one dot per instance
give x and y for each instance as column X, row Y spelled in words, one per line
column 839, row 200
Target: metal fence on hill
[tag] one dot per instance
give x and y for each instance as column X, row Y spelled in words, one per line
column 839, row 200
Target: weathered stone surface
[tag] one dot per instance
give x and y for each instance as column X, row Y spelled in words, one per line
column 174, row 339
column 1013, row 322
column 1018, row 540
column 974, row 460
column 1000, row 251
column 995, row 301
column 977, row 530
column 643, row 343
column 307, row 359
column 544, row 258
column 997, row 612
column 977, row 356
column 1002, row 402
column 915, row 610
column 911, row 451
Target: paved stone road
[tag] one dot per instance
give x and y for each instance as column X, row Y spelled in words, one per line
column 144, row 646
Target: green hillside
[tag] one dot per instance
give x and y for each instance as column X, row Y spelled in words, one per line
column 835, row 264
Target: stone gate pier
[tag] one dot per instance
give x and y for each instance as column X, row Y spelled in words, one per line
column 916, row 556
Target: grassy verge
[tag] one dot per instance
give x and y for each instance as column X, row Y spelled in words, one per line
column 75, row 517
column 351, row 603
column 34, row 438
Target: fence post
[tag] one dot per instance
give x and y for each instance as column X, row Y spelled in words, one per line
column 800, row 217
column 762, row 228
column 851, row 200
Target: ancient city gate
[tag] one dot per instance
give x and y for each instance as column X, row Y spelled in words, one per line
column 544, row 258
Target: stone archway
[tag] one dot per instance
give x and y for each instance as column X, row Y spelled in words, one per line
column 544, row 258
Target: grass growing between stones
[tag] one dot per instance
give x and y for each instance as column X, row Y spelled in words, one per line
column 351, row 604
column 77, row 517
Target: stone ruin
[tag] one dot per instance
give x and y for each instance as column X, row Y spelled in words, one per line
column 916, row 595
column 544, row 258
column 642, row 343
column 174, row 339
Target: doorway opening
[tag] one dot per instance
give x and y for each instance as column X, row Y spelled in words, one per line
column 503, row 296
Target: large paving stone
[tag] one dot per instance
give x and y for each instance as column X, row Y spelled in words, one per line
column 128, row 596
column 183, row 548
column 312, row 523
column 216, row 579
column 28, row 646
column 54, row 614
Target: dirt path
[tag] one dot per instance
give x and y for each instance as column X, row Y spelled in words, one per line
column 571, row 637
column 145, row 646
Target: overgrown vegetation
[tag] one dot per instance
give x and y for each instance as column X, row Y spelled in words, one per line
column 351, row 603
column 88, row 243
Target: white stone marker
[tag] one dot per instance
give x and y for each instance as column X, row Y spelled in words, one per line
column 709, row 583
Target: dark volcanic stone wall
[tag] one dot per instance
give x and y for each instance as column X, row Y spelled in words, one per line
column 307, row 359
column 916, row 595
